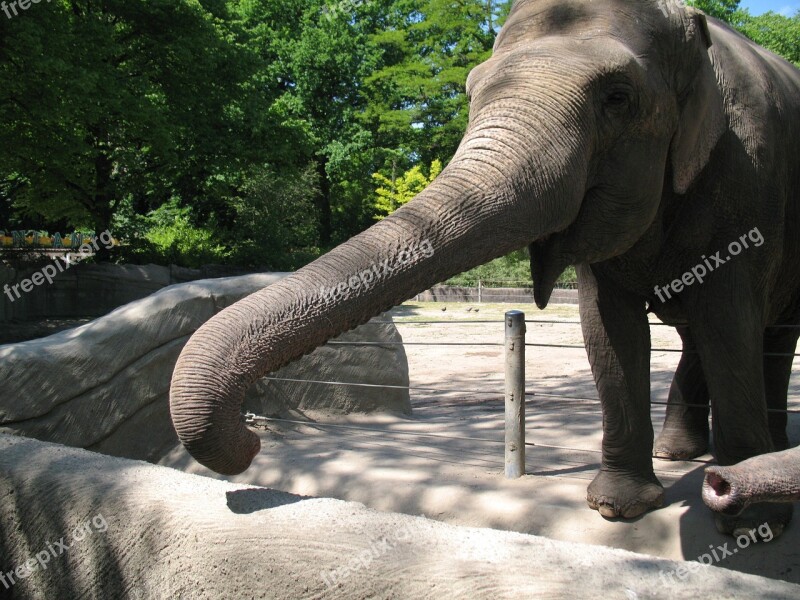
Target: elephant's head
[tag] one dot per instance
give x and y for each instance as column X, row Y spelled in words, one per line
column 582, row 116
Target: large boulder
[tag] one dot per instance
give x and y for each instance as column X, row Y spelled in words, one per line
column 82, row 525
column 104, row 386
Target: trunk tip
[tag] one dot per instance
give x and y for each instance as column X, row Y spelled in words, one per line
column 720, row 494
column 717, row 482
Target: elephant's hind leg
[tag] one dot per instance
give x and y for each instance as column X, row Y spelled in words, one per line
column 617, row 337
column 777, row 371
column 685, row 432
column 731, row 342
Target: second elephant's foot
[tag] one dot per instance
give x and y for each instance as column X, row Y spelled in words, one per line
column 763, row 521
column 616, row 494
column 680, row 444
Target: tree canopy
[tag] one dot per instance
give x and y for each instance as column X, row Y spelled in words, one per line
column 253, row 132
column 776, row 32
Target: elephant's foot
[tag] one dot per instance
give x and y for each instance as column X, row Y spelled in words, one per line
column 680, row 443
column 615, row 494
column 764, row 521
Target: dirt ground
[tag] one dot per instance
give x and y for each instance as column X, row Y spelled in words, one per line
column 446, row 461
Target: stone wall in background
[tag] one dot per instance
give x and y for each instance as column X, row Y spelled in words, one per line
column 95, row 290
column 89, row 290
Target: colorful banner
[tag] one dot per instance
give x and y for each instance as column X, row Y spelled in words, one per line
column 43, row 240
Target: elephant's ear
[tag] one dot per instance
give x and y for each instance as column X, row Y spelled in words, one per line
column 702, row 118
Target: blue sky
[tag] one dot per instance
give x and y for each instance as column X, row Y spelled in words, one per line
column 785, row 7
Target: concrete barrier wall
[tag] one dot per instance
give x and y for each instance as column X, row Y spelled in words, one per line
column 142, row 532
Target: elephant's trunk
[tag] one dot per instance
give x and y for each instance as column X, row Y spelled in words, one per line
column 484, row 205
column 773, row 477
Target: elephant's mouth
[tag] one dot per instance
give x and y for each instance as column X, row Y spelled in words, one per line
column 550, row 256
column 604, row 228
column 543, row 269
column 553, row 253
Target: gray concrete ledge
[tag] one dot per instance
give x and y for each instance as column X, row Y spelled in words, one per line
column 150, row 532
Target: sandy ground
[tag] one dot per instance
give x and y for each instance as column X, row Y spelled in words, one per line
column 446, row 461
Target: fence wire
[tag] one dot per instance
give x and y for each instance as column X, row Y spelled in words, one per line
column 257, row 420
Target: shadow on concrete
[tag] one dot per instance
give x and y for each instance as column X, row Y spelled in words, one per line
column 245, row 502
column 446, row 460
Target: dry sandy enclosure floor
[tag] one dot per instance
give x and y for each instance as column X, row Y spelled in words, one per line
column 446, row 460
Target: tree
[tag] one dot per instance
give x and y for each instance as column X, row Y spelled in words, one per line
column 276, row 224
column 102, row 101
column 394, row 193
column 208, row 108
column 417, row 94
column 724, row 10
column 417, row 106
column 169, row 234
column 775, row 32
column 319, row 53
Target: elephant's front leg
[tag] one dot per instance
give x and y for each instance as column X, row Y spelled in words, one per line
column 617, row 337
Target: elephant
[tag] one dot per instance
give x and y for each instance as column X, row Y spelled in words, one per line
column 634, row 139
column 773, row 477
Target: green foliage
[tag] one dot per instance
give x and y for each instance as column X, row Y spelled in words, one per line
column 774, row 32
column 724, row 10
column 167, row 236
column 266, row 122
column 568, row 276
column 182, row 243
column 275, row 224
column 418, row 106
column 512, row 270
column 394, row 193
column 318, row 51
column 106, row 100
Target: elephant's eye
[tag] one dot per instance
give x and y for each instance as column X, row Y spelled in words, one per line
column 617, row 100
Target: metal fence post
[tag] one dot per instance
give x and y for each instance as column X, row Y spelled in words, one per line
column 515, row 394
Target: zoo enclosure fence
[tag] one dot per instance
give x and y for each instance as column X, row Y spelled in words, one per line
column 515, row 393
column 496, row 290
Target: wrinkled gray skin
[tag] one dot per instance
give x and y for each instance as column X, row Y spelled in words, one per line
column 608, row 134
column 773, row 477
